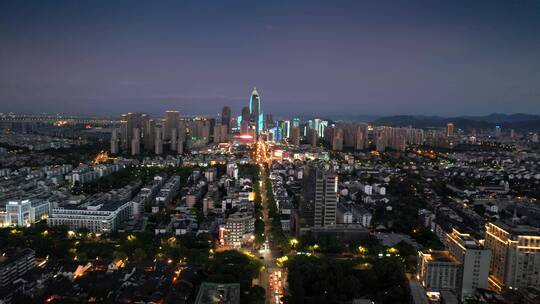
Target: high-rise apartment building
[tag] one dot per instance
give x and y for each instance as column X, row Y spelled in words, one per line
column 318, row 208
column 136, row 142
column 149, row 132
column 115, row 141
column 226, row 118
column 174, row 139
column 220, row 133
column 312, row 137
column 158, row 140
column 172, row 118
column 474, row 262
column 515, row 259
column 438, row 271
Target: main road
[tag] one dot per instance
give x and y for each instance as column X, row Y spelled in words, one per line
column 272, row 278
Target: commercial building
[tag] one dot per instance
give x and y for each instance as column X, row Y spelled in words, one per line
column 23, row 213
column 98, row 217
column 516, row 255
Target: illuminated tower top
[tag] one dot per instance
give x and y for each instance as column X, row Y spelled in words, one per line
column 254, row 102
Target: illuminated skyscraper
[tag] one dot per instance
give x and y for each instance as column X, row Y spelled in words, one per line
column 450, row 129
column 296, row 122
column 255, row 110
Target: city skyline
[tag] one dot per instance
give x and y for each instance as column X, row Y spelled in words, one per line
column 430, row 58
column 276, row 152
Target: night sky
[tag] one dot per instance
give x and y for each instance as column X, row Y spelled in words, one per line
column 305, row 57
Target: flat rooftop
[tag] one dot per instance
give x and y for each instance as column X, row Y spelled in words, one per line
column 210, row 293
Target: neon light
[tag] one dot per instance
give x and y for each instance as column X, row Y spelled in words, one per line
column 245, row 136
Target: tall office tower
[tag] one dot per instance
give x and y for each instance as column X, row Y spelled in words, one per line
column 474, row 260
column 295, row 136
column 226, row 118
column 136, row 142
column 295, row 123
column 318, row 209
column 171, row 122
column 515, row 261
column 255, row 110
column 286, row 128
column 149, row 134
column 174, row 139
column 114, row 141
column 312, row 137
column 158, row 140
column 276, row 134
column 450, row 130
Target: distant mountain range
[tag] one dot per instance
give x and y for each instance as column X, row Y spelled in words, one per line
column 517, row 121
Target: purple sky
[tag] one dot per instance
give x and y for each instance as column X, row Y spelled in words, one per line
column 305, row 57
